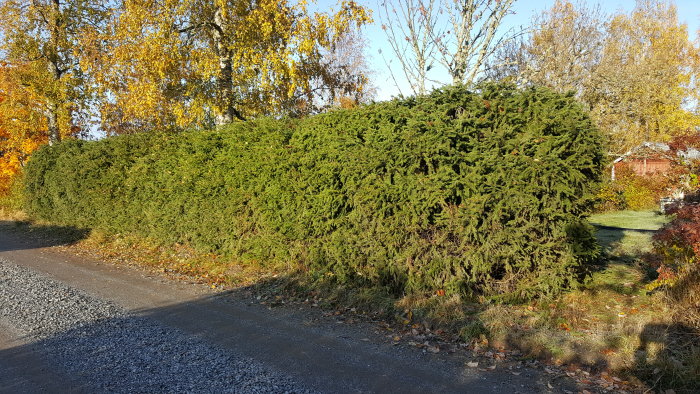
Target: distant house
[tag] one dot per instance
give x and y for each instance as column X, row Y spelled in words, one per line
column 652, row 158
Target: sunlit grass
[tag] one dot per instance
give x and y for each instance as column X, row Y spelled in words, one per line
column 627, row 233
column 633, row 220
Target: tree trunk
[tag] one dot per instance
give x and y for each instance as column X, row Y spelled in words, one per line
column 226, row 111
column 224, row 89
column 55, row 70
column 52, row 118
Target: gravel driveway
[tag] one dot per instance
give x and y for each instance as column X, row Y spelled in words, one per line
column 72, row 324
column 103, row 348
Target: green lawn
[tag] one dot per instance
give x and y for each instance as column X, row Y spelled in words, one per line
column 627, row 233
column 636, row 220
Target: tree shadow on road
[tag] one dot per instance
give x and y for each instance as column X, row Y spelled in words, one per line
column 21, row 235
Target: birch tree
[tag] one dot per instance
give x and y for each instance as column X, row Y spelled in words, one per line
column 459, row 35
column 42, row 38
column 411, row 27
column 646, row 83
column 194, row 62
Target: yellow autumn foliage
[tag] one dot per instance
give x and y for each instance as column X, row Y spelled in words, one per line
column 202, row 62
column 646, row 82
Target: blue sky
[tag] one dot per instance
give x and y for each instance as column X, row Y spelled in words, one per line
column 524, row 10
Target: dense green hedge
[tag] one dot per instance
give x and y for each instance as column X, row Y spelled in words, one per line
column 468, row 192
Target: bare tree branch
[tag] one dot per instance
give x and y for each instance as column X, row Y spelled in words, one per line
column 460, row 35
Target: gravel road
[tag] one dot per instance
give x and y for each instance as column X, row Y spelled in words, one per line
column 104, row 348
column 70, row 323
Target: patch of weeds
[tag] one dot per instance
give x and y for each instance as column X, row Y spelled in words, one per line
column 475, row 329
column 447, row 312
column 12, row 215
column 375, row 300
column 618, row 278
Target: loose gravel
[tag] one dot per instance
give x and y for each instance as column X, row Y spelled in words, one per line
column 105, row 348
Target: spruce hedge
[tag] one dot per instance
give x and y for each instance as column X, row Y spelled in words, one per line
column 479, row 192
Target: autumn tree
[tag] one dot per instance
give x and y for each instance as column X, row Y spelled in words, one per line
column 23, row 126
column 410, row 27
column 645, row 85
column 350, row 82
column 41, row 40
column 562, row 51
column 636, row 72
column 198, row 62
column 459, row 35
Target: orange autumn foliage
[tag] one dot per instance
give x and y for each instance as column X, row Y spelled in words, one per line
column 23, row 125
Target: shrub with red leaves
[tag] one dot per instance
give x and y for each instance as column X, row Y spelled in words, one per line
column 684, row 142
column 677, row 258
column 677, row 244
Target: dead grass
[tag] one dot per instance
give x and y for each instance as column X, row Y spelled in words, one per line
column 178, row 259
column 9, row 214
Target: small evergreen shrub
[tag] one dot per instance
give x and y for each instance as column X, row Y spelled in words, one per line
column 468, row 192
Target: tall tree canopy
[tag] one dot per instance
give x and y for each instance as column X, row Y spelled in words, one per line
column 42, row 39
column 457, row 35
column 562, row 51
column 646, row 80
column 203, row 62
column 22, row 122
column 637, row 72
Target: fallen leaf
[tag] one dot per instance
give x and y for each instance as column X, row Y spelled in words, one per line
column 473, row 364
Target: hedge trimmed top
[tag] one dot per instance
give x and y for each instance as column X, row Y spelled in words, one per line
column 464, row 191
